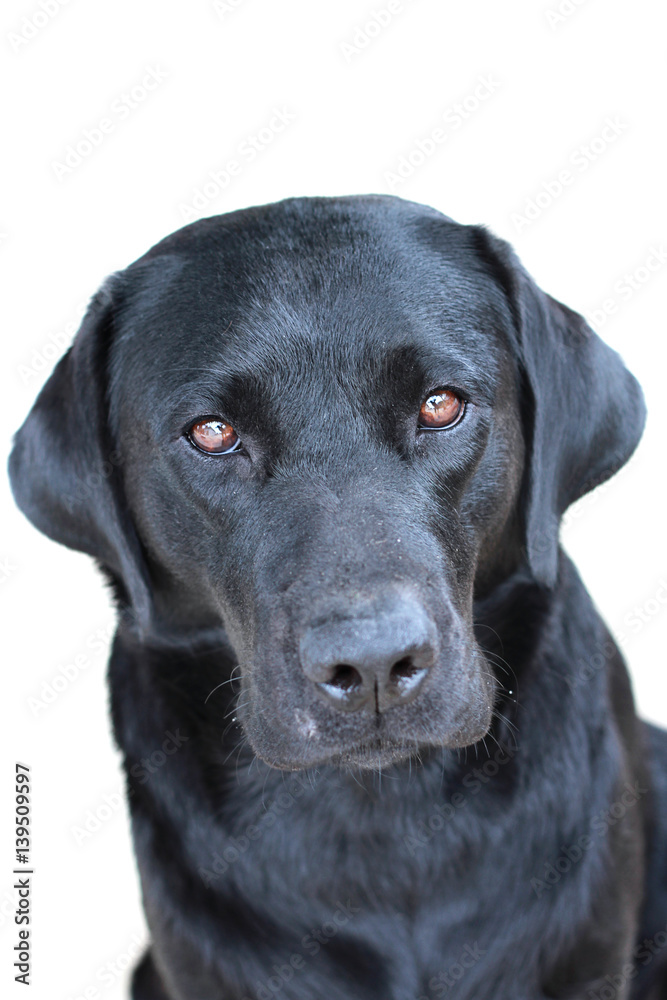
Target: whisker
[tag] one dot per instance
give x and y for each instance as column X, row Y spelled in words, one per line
column 484, row 625
column 229, row 680
column 217, row 688
column 499, row 661
column 243, row 740
column 508, row 722
column 238, row 758
column 495, row 739
column 236, row 707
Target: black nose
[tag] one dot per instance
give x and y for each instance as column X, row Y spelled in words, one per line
column 372, row 661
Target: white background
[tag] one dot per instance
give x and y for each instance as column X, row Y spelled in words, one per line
column 555, row 80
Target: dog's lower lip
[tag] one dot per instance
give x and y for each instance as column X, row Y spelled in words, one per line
column 370, row 754
column 375, row 752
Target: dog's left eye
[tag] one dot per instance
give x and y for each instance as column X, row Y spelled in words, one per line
column 213, row 436
column 443, row 408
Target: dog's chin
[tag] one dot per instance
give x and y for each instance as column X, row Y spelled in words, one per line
column 379, row 756
column 365, row 757
column 369, row 755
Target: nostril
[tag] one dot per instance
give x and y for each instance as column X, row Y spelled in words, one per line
column 403, row 669
column 345, row 678
column 405, row 674
column 345, row 687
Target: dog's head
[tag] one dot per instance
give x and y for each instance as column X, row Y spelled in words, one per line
column 327, row 425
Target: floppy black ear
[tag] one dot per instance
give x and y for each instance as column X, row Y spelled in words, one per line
column 585, row 412
column 65, row 471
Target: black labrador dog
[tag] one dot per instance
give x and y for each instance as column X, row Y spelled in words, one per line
column 378, row 742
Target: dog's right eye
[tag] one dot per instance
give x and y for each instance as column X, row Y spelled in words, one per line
column 213, row 436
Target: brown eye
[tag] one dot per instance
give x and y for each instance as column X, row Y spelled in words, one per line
column 214, row 436
column 443, row 409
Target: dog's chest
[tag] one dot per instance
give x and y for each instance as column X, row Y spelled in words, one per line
column 421, row 887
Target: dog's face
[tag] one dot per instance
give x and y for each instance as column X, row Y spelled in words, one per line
column 322, row 446
column 328, row 426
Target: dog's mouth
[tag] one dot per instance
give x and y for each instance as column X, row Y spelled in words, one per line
column 369, row 743
column 370, row 755
column 289, row 724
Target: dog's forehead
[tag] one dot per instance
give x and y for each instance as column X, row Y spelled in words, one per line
column 358, row 298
